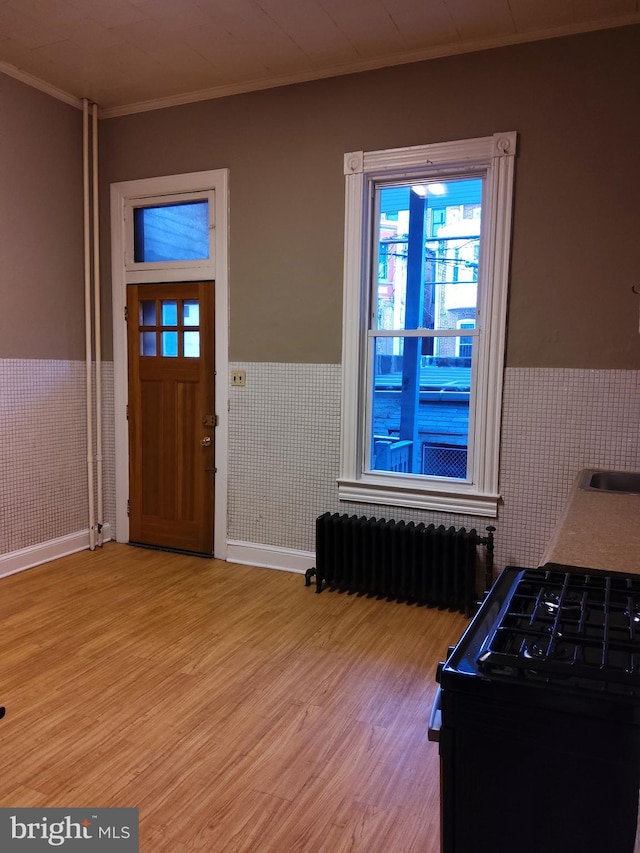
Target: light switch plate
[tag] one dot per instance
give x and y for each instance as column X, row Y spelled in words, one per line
column 239, row 377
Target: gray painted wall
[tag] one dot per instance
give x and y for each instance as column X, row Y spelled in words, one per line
column 574, row 104
column 41, row 243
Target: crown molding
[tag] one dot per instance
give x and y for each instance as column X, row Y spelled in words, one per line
column 404, row 58
column 41, row 85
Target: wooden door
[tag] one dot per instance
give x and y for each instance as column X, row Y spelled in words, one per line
column 171, row 416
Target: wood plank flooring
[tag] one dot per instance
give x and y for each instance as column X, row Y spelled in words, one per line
column 236, row 709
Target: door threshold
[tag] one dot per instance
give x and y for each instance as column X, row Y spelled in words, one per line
column 171, row 550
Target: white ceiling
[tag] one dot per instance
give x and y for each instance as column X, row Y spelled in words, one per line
column 131, row 55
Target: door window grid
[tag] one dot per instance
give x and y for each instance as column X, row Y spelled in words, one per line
column 176, row 335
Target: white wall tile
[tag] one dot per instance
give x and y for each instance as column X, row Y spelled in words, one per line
column 43, row 451
column 556, row 422
column 283, row 452
column 284, row 441
column 284, row 446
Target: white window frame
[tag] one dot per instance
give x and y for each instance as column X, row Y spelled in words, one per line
column 183, row 270
column 125, row 195
column 493, row 158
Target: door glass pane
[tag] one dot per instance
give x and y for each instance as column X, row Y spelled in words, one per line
column 191, row 344
column 148, row 343
column 420, row 412
column 169, row 312
column 171, row 232
column 170, row 344
column 148, row 312
column 191, row 312
column 428, row 248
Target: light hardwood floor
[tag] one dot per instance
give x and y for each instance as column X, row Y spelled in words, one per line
column 236, row 709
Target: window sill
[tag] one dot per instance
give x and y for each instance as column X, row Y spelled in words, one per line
column 440, row 497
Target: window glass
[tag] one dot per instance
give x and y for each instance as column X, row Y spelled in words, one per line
column 148, row 312
column 418, row 402
column 169, row 312
column 191, row 312
column 428, row 237
column 169, row 344
column 171, row 232
column 148, row 343
column 191, row 344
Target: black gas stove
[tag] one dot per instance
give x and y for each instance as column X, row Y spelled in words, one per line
column 538, row 717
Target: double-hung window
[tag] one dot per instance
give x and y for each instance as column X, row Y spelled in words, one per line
column 427, row 242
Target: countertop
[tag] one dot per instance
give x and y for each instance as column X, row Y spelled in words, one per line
column 597, row 530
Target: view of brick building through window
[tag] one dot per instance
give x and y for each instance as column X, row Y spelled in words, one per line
column 424, row 300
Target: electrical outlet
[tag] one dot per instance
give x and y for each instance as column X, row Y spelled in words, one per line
column 239, row 377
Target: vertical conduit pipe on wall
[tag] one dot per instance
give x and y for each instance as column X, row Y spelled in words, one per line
column 87, row 315
column 97, row 322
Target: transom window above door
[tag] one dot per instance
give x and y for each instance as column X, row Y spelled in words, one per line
column 171, row 232
column 170, row 237
column 169, row 328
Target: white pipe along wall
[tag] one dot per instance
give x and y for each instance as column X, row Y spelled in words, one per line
column 92, row 278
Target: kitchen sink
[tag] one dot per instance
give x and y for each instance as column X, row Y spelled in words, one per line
column 611, row 481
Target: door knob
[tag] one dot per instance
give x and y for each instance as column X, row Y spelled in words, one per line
column 206, row 441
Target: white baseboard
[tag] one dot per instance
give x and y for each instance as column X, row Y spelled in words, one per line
column 270, row 557
column 248, row 553
column 35, row 555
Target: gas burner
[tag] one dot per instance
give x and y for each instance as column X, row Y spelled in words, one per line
column 534, row 652
column 567, row 605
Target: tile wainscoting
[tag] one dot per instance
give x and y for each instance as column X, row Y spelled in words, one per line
column 284, row 452
column 43, row 454
column 284, row 445
column 554, row 423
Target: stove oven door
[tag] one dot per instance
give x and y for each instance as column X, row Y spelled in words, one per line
column 519, row 779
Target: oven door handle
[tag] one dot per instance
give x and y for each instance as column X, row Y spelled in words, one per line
column 435, row 720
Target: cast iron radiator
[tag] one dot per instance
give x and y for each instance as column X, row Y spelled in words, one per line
column 425, row 564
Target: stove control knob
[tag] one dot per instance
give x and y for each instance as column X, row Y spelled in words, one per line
column 450, row 651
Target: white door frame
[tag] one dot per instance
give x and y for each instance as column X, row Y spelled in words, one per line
column 215, row 269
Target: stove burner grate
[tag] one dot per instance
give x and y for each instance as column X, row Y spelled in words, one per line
column 579, row 631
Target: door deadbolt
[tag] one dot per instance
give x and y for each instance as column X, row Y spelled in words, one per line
column 206, row 441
